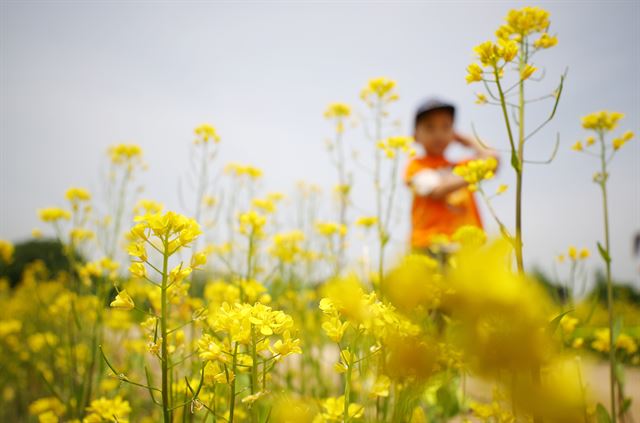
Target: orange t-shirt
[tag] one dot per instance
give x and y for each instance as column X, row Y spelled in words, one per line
column 430, row 217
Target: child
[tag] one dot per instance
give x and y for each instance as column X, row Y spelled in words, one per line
column 441, row 201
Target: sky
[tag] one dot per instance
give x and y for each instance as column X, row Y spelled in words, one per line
column 76, row 77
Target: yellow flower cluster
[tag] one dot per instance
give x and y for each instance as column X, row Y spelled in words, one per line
column 240, row 170
column 333, row 411
column 522, row 22
column 287, row 246
column 75, row 195
column 205, row 133
column 476, row 171
column 338, row 112
column 171, row 229
column 490, row 53
column 392, row 145
column 367, row 221
column 106, row 410
column 511, row 37
column 125, row 153
column 603, row 120
column 623, row 342
column 252, row 223
column 504, row 314
column 53, row 214
column 379, row 90
column 330, row 229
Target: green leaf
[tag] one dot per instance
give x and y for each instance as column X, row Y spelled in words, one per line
column 602, row 415
column 604, row 253
column 555, row 322
column 626, row 404
column 515, row 163
column 448, row 401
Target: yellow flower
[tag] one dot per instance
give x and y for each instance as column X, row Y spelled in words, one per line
column 333, row 410
column 42, row 405
column 104, row 409
column 527, row 71
column 490, row 53
column 6, row 251
column 77, row 194
column 502, row 188
column 381, row 386
column 147, row 206
column 53, row 214
column 392, row 145
column 577, row 146
column 240, row 170
column 469, row 236
column 252, row 222
column 206, row 133
column 367, row 221
column 287, row 246
column 503, row 316
column 334, row 328
column 584, row 253
column 590, row 141
column 199, row 259
column 568, row 324
column 601, row 121
column 123, row 301
column 125, row 153
column 379, row 90
column 524, row 22
column 476, row 171
column 545, row 41
column 474, row 73
column 173, row 230
column 415, row 282
column 136, row 249
column 329, row 229
column 137, row 269
column 481, row 98
column 337, row 110
column 210, row 350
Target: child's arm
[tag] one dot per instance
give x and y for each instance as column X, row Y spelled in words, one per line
column 437, row 186
column 474, row 144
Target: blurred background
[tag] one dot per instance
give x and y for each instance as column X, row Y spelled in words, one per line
column 79, row 76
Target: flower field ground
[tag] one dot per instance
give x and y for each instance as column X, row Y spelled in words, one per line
column 252, row 305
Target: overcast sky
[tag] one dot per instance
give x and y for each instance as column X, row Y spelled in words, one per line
column 79, row 76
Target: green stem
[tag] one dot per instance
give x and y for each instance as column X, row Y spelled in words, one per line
column 607, row 247
column 166, row 413
column 254, row 373
column 347, row 390
column 232, row 394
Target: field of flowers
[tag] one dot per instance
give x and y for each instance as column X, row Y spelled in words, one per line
column 250, row 306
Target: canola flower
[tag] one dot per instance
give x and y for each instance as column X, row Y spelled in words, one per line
column 264, row 335
column 476, row 171
column 602, row 123
column 523, row 33
column 205, row 133
column 167, row 233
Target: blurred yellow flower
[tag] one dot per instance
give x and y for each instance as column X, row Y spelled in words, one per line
column 123, row 301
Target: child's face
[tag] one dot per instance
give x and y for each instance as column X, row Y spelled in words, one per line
column 435, row 131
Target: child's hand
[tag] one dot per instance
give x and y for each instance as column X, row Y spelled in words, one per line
column 474, row 144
